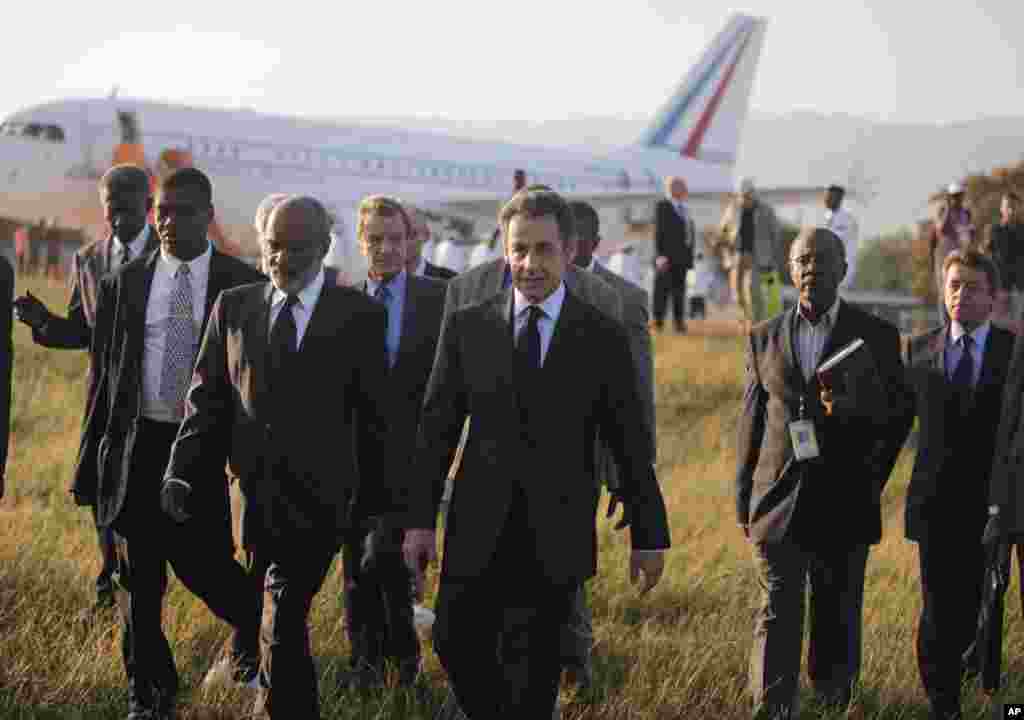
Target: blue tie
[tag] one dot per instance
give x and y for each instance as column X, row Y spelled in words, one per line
column 963, row 376
column 383, row 296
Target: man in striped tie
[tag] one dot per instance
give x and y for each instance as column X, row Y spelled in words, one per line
column 149, row 318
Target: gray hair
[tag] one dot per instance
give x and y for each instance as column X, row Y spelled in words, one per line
column 265, row 208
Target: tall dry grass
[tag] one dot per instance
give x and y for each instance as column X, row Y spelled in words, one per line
column 681, row 652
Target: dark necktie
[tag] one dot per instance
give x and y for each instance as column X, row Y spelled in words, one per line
column 126, row 255
column 283, row 345
column 529, row 338
column 963, row 376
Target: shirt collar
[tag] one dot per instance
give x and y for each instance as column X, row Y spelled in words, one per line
column 551, row 305
column 979, row 334
column 396, row 285
column 421, row 267
column 830, row 315
column 307, row 295
column 197, row 265
column 137, row 244
column 593, row 264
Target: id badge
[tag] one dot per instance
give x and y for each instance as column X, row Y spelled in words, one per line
column 805, row 442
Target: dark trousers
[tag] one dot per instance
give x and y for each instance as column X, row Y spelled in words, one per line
column 378, row 604
column 295, row 572
column 108, row 560
column 671, row 282
column 952, row 573
column 200, row 551
column 578, row 635
column 510, row 605
column 836, row 578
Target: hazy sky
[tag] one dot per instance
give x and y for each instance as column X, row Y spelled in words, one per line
column 895, row 60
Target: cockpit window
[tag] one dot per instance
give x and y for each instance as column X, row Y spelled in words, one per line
column 53, row 133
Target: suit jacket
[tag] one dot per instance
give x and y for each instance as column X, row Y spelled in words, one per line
column 406, row 384
column 550, row 458
column 948, row 480
column 635, row 316
column 437, row 272
column 1008, row 456
column 836, row 498
column 293, row 452
column 673, row 238
column 88, row 266
column 114, row 400
column 485, row 281
column 6, row 357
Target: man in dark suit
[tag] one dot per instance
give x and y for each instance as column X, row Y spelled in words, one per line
column 149, row 316
column 378, row 597
column 277, row 359
column 520, row 536
column 812, row 462
column 6, row 363
column 674, row 236
column 126, row 201
column 958, row 373
column 415, row 263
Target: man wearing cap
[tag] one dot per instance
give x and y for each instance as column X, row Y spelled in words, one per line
column 953, row 230
column 844, row 224
column 752, row 233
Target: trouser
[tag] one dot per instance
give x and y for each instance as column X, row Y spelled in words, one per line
column 952, row 574
column 287, row 680
column 578, row 634
column 698, row 307
column 745, row 281
column 378, row 604
column 510, row 605
column 836, row 578
column 108, row 559
column 201, row 553
column 670, row 282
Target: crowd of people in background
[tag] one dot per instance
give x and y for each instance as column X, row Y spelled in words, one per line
column 346, row 416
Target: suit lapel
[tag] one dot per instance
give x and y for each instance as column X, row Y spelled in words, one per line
column 791, row 368
column 256, row 341
column 219, row 280
column 136, row 286
column 406, row 341
column 491, row 281
column 564, row 328
column 842, row 334
column 937, row 348
column 994, row 361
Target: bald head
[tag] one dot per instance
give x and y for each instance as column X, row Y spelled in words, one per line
column 676, row 188
column 126, row 200
column 265, row 208
column 817, row 262
column 297, row 236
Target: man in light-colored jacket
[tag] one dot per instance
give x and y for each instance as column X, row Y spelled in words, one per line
column 755, row 241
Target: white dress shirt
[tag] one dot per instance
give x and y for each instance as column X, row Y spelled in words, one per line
column 302, row 311
column 550, row 307
column 844, row 224
column 954, row 348
column 810, row 339
column 158, row 313
column 136, row 246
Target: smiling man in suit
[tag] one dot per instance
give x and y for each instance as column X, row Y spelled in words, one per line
column 378, row 601
column 149, row 318
column 958, row 373
column 277, row 359
column 812, row 462
column 126, row 202
column 520, row 537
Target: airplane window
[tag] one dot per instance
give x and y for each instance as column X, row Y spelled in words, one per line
column 33, row 130
column 53, row 133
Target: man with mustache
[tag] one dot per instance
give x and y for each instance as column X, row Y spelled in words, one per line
column 277, row 359
column 813, row 458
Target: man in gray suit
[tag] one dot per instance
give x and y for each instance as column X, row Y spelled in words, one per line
column 578, row 635
column 126, row 201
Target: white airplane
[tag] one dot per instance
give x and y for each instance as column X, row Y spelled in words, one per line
column 52, row 154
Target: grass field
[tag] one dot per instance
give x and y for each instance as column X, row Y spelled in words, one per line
column 681, row 652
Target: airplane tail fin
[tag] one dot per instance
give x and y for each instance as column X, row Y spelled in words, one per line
column 704, row 117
